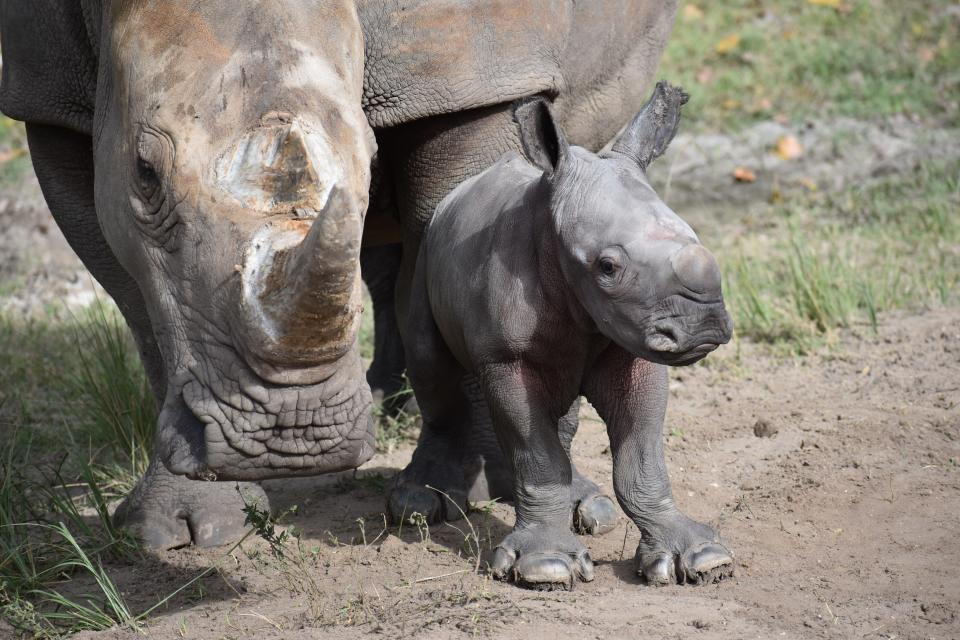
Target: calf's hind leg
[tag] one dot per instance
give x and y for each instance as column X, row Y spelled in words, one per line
column 593, row 512
column 630, row 395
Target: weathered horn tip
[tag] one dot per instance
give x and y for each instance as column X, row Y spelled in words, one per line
column 671, row 93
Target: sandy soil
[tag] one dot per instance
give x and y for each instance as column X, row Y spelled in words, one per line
column 842, row 520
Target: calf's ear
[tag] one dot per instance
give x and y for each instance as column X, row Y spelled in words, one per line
column 540, row 136
column 651, row 130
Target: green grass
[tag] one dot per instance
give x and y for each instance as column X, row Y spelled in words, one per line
column 834, row 260
column 750, row 60
column 77, row 422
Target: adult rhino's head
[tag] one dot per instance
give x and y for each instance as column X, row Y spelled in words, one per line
column 232, row 162
column 636, row 267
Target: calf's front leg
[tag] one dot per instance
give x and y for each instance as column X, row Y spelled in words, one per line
column 541, row 552
column 630, row 395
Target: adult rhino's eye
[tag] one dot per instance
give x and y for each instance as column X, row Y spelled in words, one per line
column 150, row 157
column 147, row 178
column 607, row 266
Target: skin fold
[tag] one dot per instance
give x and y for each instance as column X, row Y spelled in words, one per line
column 558, row 273
column 214, row 165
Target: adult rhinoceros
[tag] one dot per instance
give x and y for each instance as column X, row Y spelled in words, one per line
column 210, row 162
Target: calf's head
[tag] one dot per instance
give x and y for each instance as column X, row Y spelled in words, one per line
column 637, row 269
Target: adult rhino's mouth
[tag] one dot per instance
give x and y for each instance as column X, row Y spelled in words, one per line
column 223, row 422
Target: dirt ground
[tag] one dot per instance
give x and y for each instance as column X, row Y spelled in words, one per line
column 841, row 513
column 842, row 520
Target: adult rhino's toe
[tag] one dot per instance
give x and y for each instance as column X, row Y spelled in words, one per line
column 408, row 498
column 166, row 511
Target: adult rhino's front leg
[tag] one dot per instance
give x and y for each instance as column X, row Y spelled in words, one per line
column 630, row 395
column 541, row 552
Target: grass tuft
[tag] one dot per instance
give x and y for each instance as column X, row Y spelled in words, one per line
column 835, row 261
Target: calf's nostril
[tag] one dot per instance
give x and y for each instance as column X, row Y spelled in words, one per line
column 664, row 339
column 696, row 269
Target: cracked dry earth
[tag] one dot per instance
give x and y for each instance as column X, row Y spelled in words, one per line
column 842, row 513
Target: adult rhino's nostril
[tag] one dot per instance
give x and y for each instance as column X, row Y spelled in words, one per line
column 697, row 269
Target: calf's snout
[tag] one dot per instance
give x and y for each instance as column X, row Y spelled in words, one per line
column 697, row 270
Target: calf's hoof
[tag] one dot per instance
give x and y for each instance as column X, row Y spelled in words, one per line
column 542, row 558
column 594, row 515
column 683, row 552
column 166, row 511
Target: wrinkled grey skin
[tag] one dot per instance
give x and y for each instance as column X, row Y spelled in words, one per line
column 210, row 162
column 560, row 273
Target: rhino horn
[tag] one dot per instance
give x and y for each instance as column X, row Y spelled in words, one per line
column 301, row 283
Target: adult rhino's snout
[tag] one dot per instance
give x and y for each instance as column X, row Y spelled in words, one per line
column 697, row 270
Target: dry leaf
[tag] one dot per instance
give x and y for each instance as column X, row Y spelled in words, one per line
column 692, row 12
column 728, row 44
column 789, row 148
column 808, row 183
column 833, row 4
column 744, row 174
column 730, row 104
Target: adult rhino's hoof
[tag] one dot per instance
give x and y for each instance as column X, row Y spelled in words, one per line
column 595, row 515
column 543, row 559
column 166, row 511
column 407, row 498
column 685, row 553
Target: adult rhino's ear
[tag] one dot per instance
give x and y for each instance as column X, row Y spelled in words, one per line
column 50, row 61
column 651, row 130
column 543, row 142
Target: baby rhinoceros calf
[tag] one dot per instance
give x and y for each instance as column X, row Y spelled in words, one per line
column 560, row 273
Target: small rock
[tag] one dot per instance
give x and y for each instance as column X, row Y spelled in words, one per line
column 763, row 429
column 391, row 543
